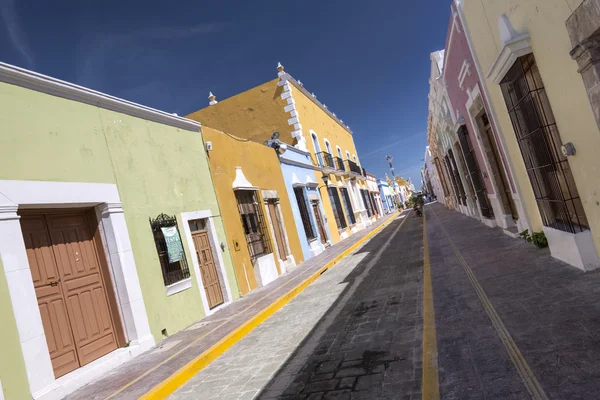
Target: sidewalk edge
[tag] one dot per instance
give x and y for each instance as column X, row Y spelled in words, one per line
column 181, row 376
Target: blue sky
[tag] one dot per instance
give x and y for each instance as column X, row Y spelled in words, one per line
column 367, row 60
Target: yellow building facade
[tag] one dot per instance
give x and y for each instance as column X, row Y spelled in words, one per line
column 542, row 111
column 256, row 211
column 283, row 105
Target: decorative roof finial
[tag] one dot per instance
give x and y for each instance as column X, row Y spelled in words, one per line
column 212, row 100
column 280, row 70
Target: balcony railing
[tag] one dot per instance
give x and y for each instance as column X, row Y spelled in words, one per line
column 353, row 168
column 340, row 168
column 363, row 174
column 326, row 161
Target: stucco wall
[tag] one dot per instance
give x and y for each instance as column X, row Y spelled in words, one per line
column 254, row 114
column 158, row 169
column 544, row 20
column 12, row 367
column 261, row 167
column 313, row 118
column 457, row 52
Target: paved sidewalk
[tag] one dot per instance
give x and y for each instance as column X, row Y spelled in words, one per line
column 354, row 333
column 210, row 330
column 551, row 310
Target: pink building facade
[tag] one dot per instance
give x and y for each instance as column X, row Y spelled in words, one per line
column 487, row 168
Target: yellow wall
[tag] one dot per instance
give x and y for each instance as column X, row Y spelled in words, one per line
column 314, row 118
column 261, row 167
column 257, row 113
column 254, row 114
column 544, row 20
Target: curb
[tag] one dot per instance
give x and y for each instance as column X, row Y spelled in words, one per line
column 185, row 373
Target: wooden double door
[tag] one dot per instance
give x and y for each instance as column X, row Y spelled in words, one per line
column 208, row 268
column 74, row 297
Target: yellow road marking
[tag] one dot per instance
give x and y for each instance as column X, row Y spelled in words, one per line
column 431, row 386
column 178, row 378
column 529, row 380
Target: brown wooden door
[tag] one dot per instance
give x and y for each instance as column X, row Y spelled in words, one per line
column 70, row 290
column 320, row 225
column 208, row 268
column 278, row 230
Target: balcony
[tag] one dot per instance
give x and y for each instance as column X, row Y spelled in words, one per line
column 363, row 175
column 326, row 162
column 354, row 169
column 340, row 168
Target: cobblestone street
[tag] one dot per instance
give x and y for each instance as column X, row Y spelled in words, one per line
column 511, row 322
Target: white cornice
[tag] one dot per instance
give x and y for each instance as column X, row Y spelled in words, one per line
column 509, row 53
column 300, row 87
column 32, row 80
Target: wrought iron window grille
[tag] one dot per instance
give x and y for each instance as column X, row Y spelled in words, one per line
column 172, row 272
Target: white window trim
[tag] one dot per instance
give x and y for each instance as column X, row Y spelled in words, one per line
column 328, row 146
column 115, row 236
column 179, row 286
column 215, row 245
column 465, row 71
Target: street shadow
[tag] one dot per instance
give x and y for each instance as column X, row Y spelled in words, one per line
column 368, row 343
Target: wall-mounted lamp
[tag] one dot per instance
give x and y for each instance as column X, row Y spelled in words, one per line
column 325, row 180
column 274, row 142
column 568, row 149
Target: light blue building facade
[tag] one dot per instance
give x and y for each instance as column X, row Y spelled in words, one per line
column 298, row 168
column 386, row 194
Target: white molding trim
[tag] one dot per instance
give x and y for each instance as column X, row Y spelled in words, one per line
column 179, row 286
column 216, row 248
column 116, row 243
column 45, row 84
column 513, row 47
column 240, row 182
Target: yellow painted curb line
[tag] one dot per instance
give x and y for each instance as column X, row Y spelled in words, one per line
column 431, row 386
column 185, row 373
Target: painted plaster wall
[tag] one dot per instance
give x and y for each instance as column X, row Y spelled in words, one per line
column 313, row 118
column 12, row 367
column 457, row 51
column 47, row 138
column 261, row 167
column 544, row 20
column 288, row 172
column 254, row 114
column 162, row 169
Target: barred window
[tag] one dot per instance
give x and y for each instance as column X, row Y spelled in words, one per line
column 540, row 144
column 365, row 197
column 253, row 222
column 334, row 197
column 304, row 213
column 171, row 256
column 348, row 206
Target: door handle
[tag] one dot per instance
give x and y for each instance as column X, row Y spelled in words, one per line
column 54, row 283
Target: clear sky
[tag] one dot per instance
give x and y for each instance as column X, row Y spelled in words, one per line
column 368, row 61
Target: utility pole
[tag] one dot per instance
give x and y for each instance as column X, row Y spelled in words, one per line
column 389, row 160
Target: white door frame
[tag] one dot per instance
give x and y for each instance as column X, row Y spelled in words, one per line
column 215, row 246
column 15, row 195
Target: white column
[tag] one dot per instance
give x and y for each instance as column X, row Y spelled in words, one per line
column 124, row 274
column 24, row 301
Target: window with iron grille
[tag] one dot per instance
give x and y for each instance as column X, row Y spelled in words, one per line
column 373, row 203
column 461, row 190
column 253, row 222
column 334, row 197
column 539, row 141
column 348, row 205
column 172, row 272
column 304, row 213
column 442, row 176
column 365, row 197
column 475, row 172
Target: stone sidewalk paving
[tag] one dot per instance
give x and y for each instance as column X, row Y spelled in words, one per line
column 353, row 333
column 210, row 329
column 551, row 310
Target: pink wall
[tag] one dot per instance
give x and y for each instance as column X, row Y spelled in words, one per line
column 457, row 51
